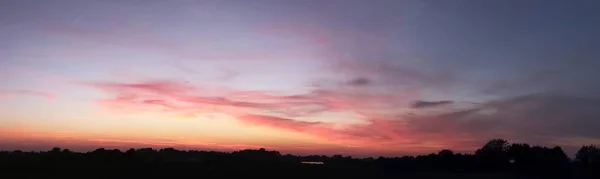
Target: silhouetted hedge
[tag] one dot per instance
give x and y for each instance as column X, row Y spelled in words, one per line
column 496, row 159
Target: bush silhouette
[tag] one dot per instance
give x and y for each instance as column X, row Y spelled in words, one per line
column 497, row 158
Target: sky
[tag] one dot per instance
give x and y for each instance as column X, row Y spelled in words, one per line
column 351, row 77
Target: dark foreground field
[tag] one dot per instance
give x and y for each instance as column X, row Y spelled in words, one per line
column 496, row 159
column 170, row 170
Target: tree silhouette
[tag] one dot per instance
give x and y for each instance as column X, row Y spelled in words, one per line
column 494, row 146
column 494, row 154
column 519, row 153
column 446, row 153
column 588, row 154
column 490, row 160
column 588, row 160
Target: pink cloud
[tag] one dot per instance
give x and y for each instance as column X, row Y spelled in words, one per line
column 284, row 123
column 158, row 87
column 381, row 130
column 179, row 95
column 379, row 134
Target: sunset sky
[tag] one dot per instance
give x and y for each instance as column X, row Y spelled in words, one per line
column 352, row 77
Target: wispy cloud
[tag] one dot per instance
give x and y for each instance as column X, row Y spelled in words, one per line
column 250, row 108
column 541, row 118
column 359, row 82
column 182, row 95
column 425, row 104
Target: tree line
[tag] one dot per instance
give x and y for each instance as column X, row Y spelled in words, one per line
column 497, row 158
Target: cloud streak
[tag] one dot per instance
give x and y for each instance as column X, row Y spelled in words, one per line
column 359, row 82
column 539, row 118
column 250, row 108
column 426, row 104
